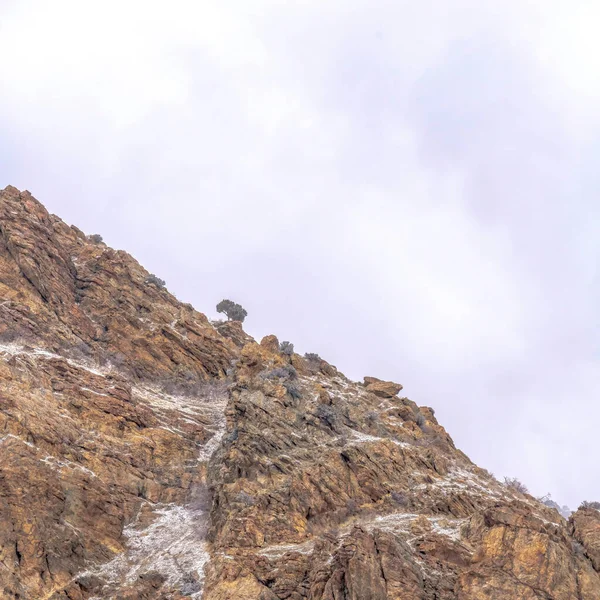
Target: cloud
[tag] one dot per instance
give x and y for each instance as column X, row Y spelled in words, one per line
column 408, row 190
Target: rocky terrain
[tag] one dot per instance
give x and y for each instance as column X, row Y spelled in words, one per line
column 147, row 453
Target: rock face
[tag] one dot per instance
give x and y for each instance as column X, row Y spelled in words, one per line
column 146, row 453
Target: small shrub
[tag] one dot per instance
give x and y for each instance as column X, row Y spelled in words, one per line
column 327, row 414
column 285, row 372
column 245, row 498
column 290, row 371
column 578, row 549
column 293, row 391
column 488, row 473
column 187, row 383
column 312, row 357
column 431, row 441
column 372, row 417
column 96, row 238
column 420, row 420
column 154, row 280
column 352, row 507
column 399, row 498
column 564, row 510
column 586, row 505
column 82, row 350
column 231, row 437
column 233, row 311
column 514, row 484
column 190, row 585
column 117, row 360
column 547, row 501
column 286, row 348
column 342, row 440
column 9, row 335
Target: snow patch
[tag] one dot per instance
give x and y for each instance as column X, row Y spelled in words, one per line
column 358, row 437
column 461, row 479
column 55, row 463
column 401, row 522
column 173, row 545
column 16, row 350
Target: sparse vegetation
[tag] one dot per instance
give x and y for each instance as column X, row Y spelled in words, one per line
column 189, row 384
column 578, row 549
column 431, row 441
column 232, row 310
column 372, row 417
column 286, row 348
column 285, row 372
column 81, row 351
column 488, row 473
column 10, row 335
column 312, row 357
column 292, row 390
column 351, row 507
column 587, row 505
column 154, row 280
column 190, row 585
column 564, row 510
column 514, row 484
column 399, row 498
column 96, row 238
column 245, row 498
column 231, row 437
column 421, row 421
column 328, row 415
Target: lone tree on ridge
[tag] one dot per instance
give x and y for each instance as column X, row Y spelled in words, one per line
column 234, row 311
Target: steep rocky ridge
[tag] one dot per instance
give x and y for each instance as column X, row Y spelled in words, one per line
column 147, row 453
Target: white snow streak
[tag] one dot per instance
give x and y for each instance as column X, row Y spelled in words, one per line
column 174, row 545
column 16, row 350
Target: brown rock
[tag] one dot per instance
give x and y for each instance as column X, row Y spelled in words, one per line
column 137, row 440
column 383, row 389
column 234, row 331
column 585, row 525
column 270, row 343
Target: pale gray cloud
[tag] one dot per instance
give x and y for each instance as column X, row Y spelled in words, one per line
column 409, row 191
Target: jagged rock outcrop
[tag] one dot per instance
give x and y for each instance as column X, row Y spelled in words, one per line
column 384, row 389
column 148, row 453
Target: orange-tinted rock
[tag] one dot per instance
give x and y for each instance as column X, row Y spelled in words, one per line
column 139, row 442
column 233, row 331
column 271, row 343
column 586, row 530
column 383, row 389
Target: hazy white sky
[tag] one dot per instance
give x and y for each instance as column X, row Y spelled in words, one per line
column 410, row 190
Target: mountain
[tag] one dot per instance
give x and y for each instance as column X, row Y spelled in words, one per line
column 148, row 453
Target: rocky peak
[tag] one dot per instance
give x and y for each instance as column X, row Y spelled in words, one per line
column 148, row 453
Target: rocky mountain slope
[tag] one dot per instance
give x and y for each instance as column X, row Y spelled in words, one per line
column 146, row 453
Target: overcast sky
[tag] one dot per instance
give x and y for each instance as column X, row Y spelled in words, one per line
column 408, row 189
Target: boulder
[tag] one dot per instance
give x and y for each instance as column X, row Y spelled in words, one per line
column 270, row 343
column 383, row 389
